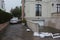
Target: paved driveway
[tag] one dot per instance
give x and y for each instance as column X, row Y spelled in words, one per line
column 17, row 32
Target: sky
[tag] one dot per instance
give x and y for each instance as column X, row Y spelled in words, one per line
column 11, row 4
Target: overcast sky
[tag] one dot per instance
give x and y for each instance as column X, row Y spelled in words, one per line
column 11, row 4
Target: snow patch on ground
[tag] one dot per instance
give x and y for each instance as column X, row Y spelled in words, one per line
column 46, row 34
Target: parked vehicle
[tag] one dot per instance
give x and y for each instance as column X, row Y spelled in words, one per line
column 14, row 20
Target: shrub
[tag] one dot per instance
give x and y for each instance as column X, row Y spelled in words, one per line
column 4, row 16
column 24, row 20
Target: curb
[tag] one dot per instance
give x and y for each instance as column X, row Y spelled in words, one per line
column 4, row 25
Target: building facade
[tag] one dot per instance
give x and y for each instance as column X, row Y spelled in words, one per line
column 2, row 5
column 41, row 8
column 41, row 11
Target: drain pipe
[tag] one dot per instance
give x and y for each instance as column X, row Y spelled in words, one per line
column 22, row 9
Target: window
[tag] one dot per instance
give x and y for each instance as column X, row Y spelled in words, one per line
column 38, row 10
column 58, row 7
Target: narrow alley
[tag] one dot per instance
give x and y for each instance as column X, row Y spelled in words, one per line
column 17, row 32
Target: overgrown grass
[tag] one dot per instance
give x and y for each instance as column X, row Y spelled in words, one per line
column 50, row 29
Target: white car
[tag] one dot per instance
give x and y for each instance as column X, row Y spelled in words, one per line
column 14, row 20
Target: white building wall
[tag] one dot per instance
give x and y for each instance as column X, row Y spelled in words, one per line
column 29, row 9
column 47, row 8
column 2, row 4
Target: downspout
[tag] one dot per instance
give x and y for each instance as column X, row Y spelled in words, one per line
column 22, row 9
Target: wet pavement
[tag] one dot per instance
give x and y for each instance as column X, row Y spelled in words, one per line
column 17, row 32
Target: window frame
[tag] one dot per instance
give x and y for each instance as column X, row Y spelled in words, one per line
column 58, row 7
column 38, row 10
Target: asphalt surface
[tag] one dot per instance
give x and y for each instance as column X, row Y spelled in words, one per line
column 17, row 32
